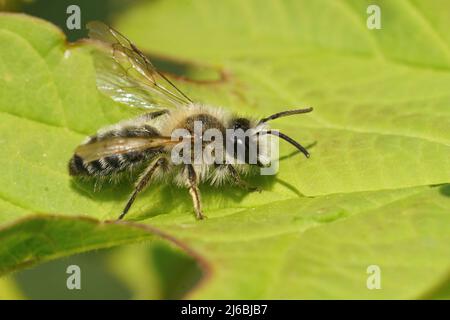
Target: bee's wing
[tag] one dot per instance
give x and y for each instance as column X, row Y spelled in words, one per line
column 120, row 145
column 127, row 75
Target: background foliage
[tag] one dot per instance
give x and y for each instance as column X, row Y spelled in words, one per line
column 374, row 191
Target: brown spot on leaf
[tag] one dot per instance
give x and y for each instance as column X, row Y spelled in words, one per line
column 189, row 71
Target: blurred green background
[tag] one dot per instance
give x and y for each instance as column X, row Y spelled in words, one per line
column 55, row 11
column 142, row 271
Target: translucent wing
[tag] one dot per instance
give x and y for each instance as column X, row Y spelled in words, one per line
column 120, row 145
column 127, row 75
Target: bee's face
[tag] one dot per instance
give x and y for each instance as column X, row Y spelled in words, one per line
column 244, row 139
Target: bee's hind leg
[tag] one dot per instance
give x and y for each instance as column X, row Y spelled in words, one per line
column 142, row 182
column 241, row 183
column 194, row 192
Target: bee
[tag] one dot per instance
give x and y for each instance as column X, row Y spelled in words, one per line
column 146, row 142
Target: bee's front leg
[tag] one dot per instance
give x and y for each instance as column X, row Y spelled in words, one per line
column 194, row 191
column 241, row 183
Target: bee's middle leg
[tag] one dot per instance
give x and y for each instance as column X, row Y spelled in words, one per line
column 142, row 182
column 194, row 191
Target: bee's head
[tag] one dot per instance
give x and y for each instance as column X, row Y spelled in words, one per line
column 240, row 137
column 241, row 123
column 251, row 138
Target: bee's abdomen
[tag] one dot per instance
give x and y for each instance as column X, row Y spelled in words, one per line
column 126, row 132
column 109, row 165
column 116, row 163
column 101, row 167
column 77, row 167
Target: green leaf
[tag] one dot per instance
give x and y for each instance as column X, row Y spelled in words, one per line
column 365, row 197
column 155, row 271
column 9, row 289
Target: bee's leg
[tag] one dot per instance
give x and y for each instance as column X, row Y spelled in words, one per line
column 241, row 183
column 194, row 191
column 142, row 182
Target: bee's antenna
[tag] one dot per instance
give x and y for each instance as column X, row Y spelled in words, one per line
column 285, row 113
column 288, row 139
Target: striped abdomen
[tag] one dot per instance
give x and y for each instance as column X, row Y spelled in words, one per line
column 116, row 151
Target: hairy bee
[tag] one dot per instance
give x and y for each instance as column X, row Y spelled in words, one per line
column 146, row 143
